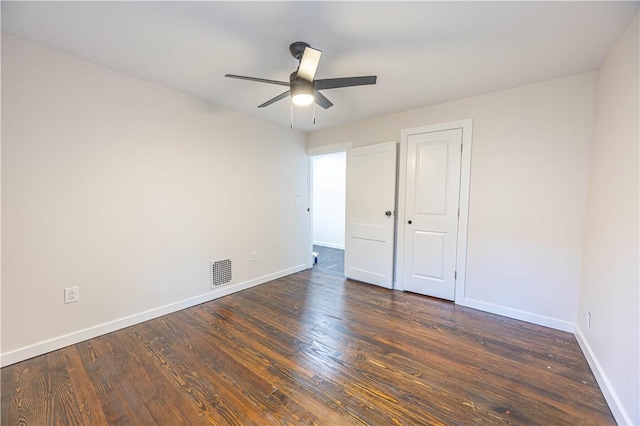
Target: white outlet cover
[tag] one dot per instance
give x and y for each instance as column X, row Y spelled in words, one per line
column 71, row 294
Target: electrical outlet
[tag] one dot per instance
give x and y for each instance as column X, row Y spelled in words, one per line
column 588, row 320
column 71, row 294
column 253, row 256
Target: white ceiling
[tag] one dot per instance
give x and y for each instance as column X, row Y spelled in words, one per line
column 423, row 53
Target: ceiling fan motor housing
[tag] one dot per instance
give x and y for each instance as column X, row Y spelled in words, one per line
column 295, row 81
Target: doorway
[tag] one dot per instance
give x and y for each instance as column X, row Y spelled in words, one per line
column 328, row 186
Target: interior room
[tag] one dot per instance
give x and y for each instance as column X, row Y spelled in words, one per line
column 159, row 214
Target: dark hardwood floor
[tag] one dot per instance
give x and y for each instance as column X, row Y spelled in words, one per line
column 312, row 348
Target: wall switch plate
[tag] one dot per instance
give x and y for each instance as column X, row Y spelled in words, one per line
column 71, row 294
column 253, row 256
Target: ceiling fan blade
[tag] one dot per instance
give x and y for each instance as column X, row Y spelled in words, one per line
column 276, row 99
column 322, row 100
column 334, row 83
column 259, row 80
column 309, row 63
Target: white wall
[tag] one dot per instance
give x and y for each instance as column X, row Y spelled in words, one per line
column 528, row 191
column 329, row 186
column 610, row 278
column 127, row 190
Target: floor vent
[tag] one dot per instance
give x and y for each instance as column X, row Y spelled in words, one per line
column 220, row 272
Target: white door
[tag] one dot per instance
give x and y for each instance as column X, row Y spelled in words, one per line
column 431, row 212
column 370, row 219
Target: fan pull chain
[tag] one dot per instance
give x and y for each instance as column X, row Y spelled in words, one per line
column 291, row 121
column 314, row 113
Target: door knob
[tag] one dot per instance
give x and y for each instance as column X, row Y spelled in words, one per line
column 409, row 222
column 388, row 213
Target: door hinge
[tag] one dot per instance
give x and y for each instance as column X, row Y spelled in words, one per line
column 455, row 275
column 458, row 212
column 461, row 147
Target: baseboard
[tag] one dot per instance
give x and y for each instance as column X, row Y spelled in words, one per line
column 40, row 348
column 517, row 314
column 618, row 411
column 330, row 245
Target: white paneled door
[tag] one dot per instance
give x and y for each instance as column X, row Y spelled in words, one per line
column 370, row 213
column 431, row 212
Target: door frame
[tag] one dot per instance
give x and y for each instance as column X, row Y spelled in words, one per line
column 463, row 222
column 320, row 150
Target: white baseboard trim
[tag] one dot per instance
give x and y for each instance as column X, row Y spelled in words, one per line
column 519, row 315
column 59, row 342
column 618, row 411
column 330, row 245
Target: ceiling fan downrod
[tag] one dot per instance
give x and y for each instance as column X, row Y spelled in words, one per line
column 297, row 49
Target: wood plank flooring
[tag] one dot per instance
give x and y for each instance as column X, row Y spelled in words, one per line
column 312, row 348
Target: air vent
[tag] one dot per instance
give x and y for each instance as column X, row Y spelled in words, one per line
column 220, row 272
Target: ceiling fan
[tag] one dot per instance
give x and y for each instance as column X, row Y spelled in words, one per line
column 303, row 89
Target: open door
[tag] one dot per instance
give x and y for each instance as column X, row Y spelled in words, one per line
column 370, row 213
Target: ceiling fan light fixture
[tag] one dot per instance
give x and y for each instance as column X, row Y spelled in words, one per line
column 301, row 95
column 302, row 99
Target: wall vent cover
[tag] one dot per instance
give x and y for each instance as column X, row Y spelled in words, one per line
column 220, row 272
